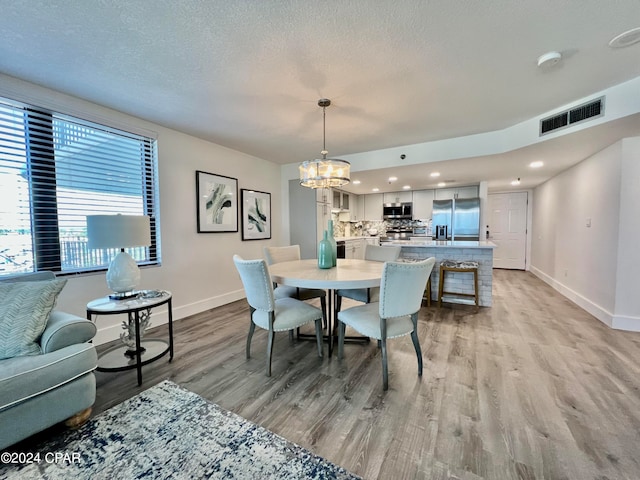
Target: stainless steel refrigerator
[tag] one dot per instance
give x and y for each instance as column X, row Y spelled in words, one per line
column 457, row 219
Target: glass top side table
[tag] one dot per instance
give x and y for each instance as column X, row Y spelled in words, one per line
column 135, row 350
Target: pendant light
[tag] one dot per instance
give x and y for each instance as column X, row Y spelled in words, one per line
column 324, row 172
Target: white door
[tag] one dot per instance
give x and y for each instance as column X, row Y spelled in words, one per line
column 508, row 229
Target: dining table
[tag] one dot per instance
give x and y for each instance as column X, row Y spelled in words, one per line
column 348, row 273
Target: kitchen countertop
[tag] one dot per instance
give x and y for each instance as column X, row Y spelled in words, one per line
column 339, row 239
column 442, row 243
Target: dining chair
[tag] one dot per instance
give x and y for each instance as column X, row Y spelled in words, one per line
column 367, row 295
column 270, row 313
column 286, row 254
column 395, row 314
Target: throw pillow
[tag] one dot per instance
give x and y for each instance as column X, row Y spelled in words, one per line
column 24, row 312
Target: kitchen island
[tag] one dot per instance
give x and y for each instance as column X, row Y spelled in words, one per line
column 481, row 252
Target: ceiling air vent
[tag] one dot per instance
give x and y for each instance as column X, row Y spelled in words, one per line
column 567, row 118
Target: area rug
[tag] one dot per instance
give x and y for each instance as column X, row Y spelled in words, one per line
column 167, row 432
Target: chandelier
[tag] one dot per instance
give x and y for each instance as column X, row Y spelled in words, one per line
column 324, row 172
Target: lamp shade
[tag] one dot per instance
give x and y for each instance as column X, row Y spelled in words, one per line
column 324, row 173
column 118, row 231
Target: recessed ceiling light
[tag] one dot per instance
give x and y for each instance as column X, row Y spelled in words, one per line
column 435, row 174
column 626, row 38
column 407, row 187
column 356, row 182
column 442, row 184
column 536, row 164
column 516, row 182
column 393, row 179
column 375, row 189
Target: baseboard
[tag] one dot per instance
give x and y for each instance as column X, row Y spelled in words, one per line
column 594, row 309
column 622, row 322
column 159, row 316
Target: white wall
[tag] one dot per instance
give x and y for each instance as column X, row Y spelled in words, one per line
column 196, row 268
column 627, row 310
column 593, row 266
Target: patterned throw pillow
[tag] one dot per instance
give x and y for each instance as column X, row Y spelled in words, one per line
column 24, row 312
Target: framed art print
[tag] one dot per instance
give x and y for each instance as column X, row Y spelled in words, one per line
column 217, row 200
column 256, row 215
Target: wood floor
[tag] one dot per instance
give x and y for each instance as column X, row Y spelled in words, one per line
column 531, row 388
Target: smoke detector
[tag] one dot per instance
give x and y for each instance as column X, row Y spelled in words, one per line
column 626, row 38
column 549, row 59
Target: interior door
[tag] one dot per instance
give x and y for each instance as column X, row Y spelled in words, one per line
column 508, row 229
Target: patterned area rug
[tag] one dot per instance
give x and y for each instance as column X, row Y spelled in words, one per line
column 169, row 432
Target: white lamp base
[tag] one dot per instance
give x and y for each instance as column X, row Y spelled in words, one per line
column 123, row 275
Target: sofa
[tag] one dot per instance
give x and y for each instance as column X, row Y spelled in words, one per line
column 47, row 378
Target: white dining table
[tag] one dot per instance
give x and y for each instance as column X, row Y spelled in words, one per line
column 349, row 273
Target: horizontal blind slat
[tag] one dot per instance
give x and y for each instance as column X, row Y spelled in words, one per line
column 61, row 169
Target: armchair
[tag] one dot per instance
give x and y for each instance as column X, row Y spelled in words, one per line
column 52, row 384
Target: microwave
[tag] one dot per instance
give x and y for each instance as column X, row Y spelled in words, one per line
column 391, row 211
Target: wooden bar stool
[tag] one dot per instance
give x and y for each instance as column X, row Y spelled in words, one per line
column 465, row 266
column 427, row 292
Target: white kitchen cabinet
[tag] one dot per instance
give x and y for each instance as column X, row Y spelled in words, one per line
column 340, row 200
column 444, row 193
column 357, row 207
column 468, row 192
column 422, row 204
column 398, row 197
column 373, row 206
column 354, row 248
column 459, row 192
column 372, row 241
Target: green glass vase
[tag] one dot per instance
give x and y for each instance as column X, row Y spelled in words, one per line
column 325, row 255
column 334, row 244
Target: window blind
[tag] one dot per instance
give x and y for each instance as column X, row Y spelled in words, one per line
column 54, row 171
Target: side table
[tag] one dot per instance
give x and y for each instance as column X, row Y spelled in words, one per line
column 125, row 357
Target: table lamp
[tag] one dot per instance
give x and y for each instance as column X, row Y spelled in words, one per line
column 120, row 231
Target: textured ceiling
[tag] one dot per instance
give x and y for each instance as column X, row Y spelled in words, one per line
column 248, row 74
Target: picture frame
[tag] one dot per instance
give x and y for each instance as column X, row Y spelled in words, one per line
column 256, row 215
column 217, row 203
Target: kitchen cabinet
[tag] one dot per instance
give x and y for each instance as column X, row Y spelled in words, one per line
column 357, row 207
column 422, row 204
column 373, row 206
column 372, row 241
column 340, row 200
column 354, row 248
column 467, row 192
column 458, row 192
column 398, row 197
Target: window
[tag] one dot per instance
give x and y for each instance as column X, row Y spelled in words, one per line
column 54, row 171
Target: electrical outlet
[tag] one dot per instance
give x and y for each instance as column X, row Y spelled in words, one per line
column 588, row 222
column 566, row 272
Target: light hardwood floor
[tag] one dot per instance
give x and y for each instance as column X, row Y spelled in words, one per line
column 531, row 388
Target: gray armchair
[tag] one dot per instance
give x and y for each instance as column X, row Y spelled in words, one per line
column 38, row 391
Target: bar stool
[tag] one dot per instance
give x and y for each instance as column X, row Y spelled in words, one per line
column 427, row 292
column 465, row 266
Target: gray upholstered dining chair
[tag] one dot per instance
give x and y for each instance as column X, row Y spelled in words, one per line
column 367, row 295
column 269, row 313
column 395, row 314
column 286, row 254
